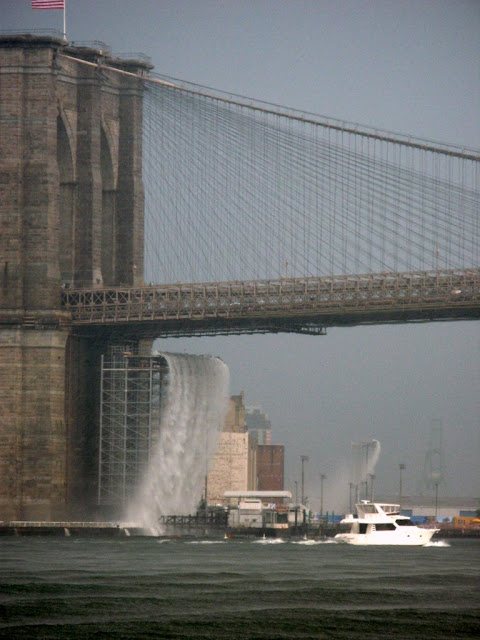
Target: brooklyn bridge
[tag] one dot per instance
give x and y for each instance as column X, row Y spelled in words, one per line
column 136, row 206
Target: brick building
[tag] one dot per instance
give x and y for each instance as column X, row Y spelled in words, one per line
column 270, row 467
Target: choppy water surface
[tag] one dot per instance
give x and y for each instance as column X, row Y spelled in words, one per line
column 183, row 588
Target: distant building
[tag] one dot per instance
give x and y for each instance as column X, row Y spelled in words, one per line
column 232, row 464
column 270, row 467
column 444, row 508
column 229, row 470
column 259, row 509
column 245, row 459
column 235, row 418
column 270, row 459
column 258, row 425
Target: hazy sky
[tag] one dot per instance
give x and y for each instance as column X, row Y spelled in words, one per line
column 406, row 66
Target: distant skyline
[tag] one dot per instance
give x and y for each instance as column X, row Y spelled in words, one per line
column 411, row 67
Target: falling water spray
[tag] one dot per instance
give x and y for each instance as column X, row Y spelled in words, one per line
column 364, row 460
column 191, row 421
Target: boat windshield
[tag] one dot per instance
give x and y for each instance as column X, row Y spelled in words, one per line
column 369, row 508
column 404, row 522
column 390, row 509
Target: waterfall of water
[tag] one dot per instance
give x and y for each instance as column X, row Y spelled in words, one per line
column 192, row 418
column 364, row 460
column 373, row 458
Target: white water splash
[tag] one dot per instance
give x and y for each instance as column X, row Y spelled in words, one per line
column 373, row 459
column 192, row 419
column 206, row 542
column 437, row 543
column 365, row 456
column 310, row 542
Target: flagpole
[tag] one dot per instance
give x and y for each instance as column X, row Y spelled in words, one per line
column 64, row 19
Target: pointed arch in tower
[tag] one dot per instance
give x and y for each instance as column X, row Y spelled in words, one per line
column 67, row 197
column 109, row 213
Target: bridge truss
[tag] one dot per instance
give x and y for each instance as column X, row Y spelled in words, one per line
column 300, row 305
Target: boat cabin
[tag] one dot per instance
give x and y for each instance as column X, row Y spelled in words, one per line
column 366, row 509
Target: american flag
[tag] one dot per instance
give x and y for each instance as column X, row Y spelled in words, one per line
column 48, row 4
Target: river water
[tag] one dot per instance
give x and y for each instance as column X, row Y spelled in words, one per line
column 128, row 588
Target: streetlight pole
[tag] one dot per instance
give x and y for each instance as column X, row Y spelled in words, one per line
column 296, row 491
column 303, row 459
column 401, row 467
column 322, row 478
column 436, row 501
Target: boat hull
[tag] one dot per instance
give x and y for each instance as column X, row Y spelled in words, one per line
column 418, row 538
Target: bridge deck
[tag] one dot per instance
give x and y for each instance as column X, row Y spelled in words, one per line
column 305, row 305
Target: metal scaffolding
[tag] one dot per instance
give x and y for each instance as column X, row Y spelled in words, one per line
column 132, row 392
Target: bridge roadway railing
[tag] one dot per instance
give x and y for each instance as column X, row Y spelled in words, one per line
column 331, row 300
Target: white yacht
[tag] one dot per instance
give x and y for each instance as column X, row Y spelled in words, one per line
column 384, row 525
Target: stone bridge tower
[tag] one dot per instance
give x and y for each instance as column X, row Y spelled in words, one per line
column 71, row 205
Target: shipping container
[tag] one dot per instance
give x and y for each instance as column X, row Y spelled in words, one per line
column 466, row 521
